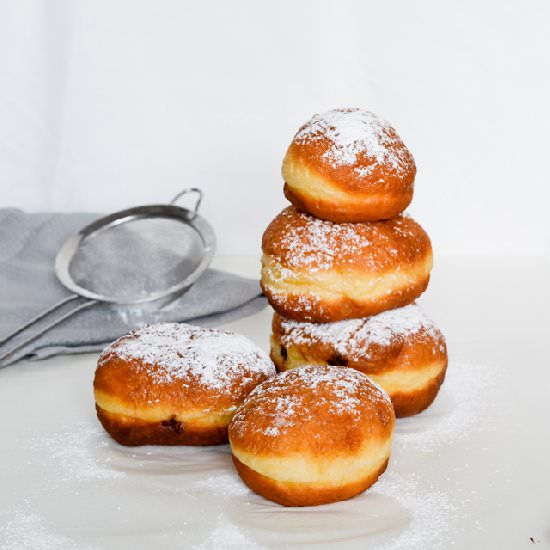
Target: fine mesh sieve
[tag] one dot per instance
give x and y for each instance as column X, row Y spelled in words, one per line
column 135, row 260
column 140, row 255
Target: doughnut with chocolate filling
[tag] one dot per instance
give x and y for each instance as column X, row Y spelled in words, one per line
column 401, row 349
column 175, row 384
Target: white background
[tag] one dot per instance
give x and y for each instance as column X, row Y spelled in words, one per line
column 107, row 104
column 110, row 104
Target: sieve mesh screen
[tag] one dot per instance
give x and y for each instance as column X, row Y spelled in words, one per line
column 136, row 258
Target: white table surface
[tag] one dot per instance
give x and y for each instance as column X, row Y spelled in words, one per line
column 471, row 472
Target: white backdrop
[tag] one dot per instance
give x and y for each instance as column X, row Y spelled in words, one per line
column 108, row 104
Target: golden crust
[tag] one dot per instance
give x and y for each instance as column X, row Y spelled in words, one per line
column 409, row 403
column 125, row 380
column 298, row 240
column 324, row 430
column 132, row 432
column 308, row 304
column 367, row 178
column 304, row 494
column 406, row 402
column 402, row 350
column 313, row 400
column 341, row 206
column 314, row 270
column 175, row 376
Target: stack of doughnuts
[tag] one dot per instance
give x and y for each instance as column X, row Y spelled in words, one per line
column 342, row 267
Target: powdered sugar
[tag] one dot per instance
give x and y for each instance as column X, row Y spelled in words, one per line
column 420, row 502
column 342, row 384
column 315, row 244
column 354, row 133
column 28, row 530
column 286, row 400
column 212, row 358
column 431, row 512
column 354, row 336
column 228, row 535
column 223, row 484
column 462, row 408
column 309, row 243
column 69, row 453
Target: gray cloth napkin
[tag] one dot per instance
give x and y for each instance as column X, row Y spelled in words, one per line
column 28, row 285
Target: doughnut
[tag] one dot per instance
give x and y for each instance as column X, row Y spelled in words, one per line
column 401, row 350
column 175, row 384
column 348, row 165
column 312, row 435
column 318, row 271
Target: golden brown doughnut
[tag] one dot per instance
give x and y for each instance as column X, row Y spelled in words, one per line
column 175, row 384
column 319, row 271
column 401, row 350
column 312, row 435
column 348, row 165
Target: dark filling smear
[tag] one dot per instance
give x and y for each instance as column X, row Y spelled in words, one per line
column 173, row 425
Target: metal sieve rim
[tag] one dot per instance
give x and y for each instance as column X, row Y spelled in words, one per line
column 168, row 211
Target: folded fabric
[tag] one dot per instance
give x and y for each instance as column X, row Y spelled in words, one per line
column 28, row 286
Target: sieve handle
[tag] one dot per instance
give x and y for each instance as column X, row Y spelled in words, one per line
column 37, row 318
column 45, row 329
column 186, row 192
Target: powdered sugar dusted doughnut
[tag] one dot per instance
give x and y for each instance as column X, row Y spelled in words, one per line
column 349, row 165
column 175, row 384
column 319, row 271
column 312, row 435
column 401, row 349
